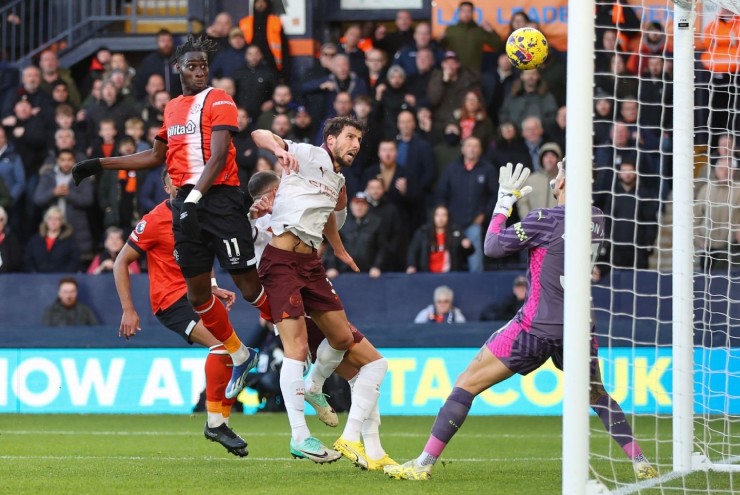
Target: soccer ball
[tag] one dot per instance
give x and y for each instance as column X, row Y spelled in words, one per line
column 527, row 48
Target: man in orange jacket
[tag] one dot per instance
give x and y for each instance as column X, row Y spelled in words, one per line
column 265, row 29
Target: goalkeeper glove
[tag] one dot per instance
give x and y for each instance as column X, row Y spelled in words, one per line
column 85, row 168
column 510, row 188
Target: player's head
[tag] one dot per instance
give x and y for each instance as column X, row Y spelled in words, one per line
column 558, row 183
column 191, row 59
column 342, row 136
column 167, row 184
column 263, row 183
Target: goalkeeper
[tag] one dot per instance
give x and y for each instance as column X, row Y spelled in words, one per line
column 535, row 334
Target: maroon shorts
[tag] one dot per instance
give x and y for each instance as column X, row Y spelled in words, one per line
column 315, row 336
column 296, row 284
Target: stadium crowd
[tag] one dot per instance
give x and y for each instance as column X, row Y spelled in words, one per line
column 442, row 116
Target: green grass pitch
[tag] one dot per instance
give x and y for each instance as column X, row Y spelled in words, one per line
column 67, row 454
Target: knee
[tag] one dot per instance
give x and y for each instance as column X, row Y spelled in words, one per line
column 341, row 342
column 197, row 299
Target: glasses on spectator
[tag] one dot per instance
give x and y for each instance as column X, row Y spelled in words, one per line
column 444, row 301
column 328, row 54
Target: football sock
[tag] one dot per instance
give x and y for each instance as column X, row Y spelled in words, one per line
column 616, row 424
column 216, row 320
column 226, row 405
column 449, row 419
column 293, row 388
column 365, row 395
column 217, row 367
column 327, row 360
column 263, row 305
column 371, row 434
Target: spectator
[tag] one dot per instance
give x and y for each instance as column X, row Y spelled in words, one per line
column 230, row 58
column 53, row 249
column 105, row 143
column 51, row 73
column 394, row 233
column 154, row 116
column 438, row 246
column 64, row 139
column 501, row 86
column 447, row 149
column 609, row 46
column 425, row 124
column 376, row 62
column 349, row 46
column 281, row 103
column 117, row 190
column 30, row 90
column 442, row 310
column 362, row 235
column 67, row 311
column 341, row 80
column 621, row 147
column 473, row 119
column 281, row 125
column 145, row 104
column 603, row 118
column 717, row 217
column 632, row 219
column 11, row 172
column 416, row 158
column 467, row 39
column 151, row 192
column 11, row 254
column 391, row 42
column 227, row 84
column 726, row 146
column 620, row 16
column 315, row 101
column 159, row 62
column 341, row 107
column 122, row 74
column 406, row 56
column 556, row 132
column 506, row 310
column 246, row 151
column 220, row 30
column 418, row 82
column 534, row 136
column 617, row 83
column 135, row 128
column 56, row 188
column 552, row 72
column 541, row 195
column 391, row 97
column 114, row 241
column 529, row 97
column 509, row 147
column 265, row 30
column 393, row 177
column 254, row 82
column 113, row 105
column 469, row 188
column 653, row 43
column 656, row 97
column 303, row 130
column 447, row 88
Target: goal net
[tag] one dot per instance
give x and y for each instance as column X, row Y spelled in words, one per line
column 641, row 117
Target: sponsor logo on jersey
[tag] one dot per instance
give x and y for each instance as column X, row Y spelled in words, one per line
column 223, row 102
column 179, row 130
column 140, row 227
column 324, row 189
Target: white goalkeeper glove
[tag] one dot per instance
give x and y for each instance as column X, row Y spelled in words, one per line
column 510, row 188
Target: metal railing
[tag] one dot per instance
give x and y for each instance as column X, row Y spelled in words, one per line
column 31, row 26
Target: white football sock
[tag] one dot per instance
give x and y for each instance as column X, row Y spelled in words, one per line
column 327, row 360
column 292, row 387
column 365, row 395
column 215, row 419
column 371, row 435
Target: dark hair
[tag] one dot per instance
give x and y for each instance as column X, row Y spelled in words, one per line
column 433, row 231
column 388, row 140
column 164, row 174
column 164, row 32
column 335, row 126
column 469, row 4
column 126, row 139
column 261, row 181
column 193, row 44
column 65, row 150
column 68, row 280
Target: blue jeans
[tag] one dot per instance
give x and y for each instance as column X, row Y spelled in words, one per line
column 475, row 260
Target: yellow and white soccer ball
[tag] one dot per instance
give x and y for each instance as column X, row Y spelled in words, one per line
column 527, row 48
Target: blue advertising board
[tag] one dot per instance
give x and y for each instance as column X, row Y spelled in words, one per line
column 155, row 381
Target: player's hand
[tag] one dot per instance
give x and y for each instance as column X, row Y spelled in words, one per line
column 511, row 187
column 129, row 324
column 226, row 296
column 261, row 207
column 288, row 161
column 85, row 168
column 347, row 259
column 189, row 223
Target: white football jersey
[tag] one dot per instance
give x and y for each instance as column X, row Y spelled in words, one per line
column 305, row 199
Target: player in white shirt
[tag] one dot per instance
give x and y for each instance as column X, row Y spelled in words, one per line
column 364, row 358
column 293, row 275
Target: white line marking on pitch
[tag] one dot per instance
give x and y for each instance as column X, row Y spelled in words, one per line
column 246, row 433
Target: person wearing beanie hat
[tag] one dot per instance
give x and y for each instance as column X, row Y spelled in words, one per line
column 541, row 197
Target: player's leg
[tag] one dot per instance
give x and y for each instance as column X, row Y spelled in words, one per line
column 338, row 332
column 253, row 292
column 182, row 319
column 317, row 350
column 295, row 346
column 615, row 421
column 365, row 368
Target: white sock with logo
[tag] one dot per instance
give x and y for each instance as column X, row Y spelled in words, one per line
column 292, row 387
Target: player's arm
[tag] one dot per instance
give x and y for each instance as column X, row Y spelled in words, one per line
column 220, row 141
column 331, row 232
column 129, row 319
column 226, row 296
column 273, row 143
column 138, row 161
column 500, row 241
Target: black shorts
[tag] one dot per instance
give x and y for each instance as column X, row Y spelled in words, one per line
column 181, row 318
column 225, row 232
